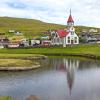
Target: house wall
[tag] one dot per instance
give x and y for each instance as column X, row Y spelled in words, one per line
column 72, row 39
column 57, row 41
column 66, row 40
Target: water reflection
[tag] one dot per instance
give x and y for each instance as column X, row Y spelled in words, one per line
column 71, row 66
column 57, row 79
column 68, row 66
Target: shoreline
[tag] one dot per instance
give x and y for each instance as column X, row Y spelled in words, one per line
column 23, row 56
column 43, row 56
column 20, row 62
column 91, row 56
column 19, row 68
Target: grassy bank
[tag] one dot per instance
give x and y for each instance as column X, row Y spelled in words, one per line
column 5, row 98
column 86, row 50
column 12, row 55
column 17, row 65
column 19, row 62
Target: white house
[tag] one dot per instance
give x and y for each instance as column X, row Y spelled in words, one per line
column 93, row 30
column 67, row 36
column 35, row 42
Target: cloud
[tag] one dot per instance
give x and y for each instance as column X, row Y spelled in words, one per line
column 84, row 12
column 16, row 5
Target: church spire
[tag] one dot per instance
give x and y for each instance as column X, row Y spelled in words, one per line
column 70, row 21
column 70, row 11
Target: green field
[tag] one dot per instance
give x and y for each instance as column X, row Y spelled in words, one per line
column 5, row 98
column 32, row 28
column 79, row 49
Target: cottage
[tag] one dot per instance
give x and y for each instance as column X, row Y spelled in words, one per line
column 93, row 30
column 24, row 43
column 4, row 41
column 35, row 42
column 67, row 36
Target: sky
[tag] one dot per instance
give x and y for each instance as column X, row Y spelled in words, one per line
column 84, row 12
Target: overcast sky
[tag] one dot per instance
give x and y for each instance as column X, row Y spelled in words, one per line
column 84, row 12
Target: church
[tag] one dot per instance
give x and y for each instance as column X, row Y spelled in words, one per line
column 65, row 36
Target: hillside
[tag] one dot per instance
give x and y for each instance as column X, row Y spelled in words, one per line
column 30, row 27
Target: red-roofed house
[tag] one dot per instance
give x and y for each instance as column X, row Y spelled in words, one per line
column 67, row 36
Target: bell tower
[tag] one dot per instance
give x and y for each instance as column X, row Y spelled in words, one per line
column 70, row 24
column 70, row 21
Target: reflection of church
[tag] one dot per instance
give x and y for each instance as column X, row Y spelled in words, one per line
column 70, row 65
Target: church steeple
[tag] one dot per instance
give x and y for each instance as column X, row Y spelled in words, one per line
column 70, row 21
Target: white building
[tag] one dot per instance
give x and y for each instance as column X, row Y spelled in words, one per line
column 67, row 36
column 93, row 30
column 35, row 42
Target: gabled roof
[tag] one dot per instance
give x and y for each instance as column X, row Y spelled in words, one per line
column 62, row 33
column 70, row 19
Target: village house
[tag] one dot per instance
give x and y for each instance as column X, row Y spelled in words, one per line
column 46, row 42
column 13, row 45
column 35, row 42
column 15, row 32
column 90, row 37
column 65, row 36
column 4, row 41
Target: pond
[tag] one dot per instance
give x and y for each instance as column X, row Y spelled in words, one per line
column 59, row 78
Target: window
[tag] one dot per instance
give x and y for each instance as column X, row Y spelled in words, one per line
column 57, row 40
column 75, row 39
column 68, row 39
column 72, row 33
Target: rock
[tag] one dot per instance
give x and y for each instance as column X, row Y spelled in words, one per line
column 32, row 97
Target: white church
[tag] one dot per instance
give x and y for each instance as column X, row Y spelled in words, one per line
column 65, row 36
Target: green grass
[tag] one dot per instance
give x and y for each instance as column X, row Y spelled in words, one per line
column 32, row 28
column 19, row 56
column 5, row 98
column 84, row 49
column 29, row 27
column 16, row 63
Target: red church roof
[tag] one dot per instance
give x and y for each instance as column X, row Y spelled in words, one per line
column 62, row 33
column 70, row 19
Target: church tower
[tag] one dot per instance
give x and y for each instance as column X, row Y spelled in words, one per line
column 70, row 24
column 70, row 21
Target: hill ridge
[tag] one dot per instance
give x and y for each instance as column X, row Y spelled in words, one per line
column 32, row 27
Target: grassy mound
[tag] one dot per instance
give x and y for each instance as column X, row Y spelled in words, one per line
column 16, row 63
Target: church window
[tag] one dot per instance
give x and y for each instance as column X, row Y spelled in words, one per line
column 75, row 39
column 68, row 39
column 72, row 33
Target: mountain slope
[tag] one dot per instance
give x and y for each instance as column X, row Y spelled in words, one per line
column 31, row 27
